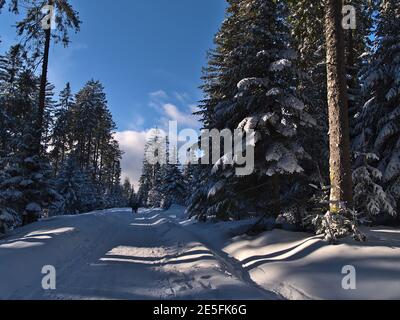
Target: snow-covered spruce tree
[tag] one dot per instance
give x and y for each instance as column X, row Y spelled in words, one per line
column 145, row 183
column 76, row 187
column 31, row 175
column 173, row 187
column 211, row 193
column 339, row 221
column 357, row 44
column 150, row 191
column 191, row 179
column 12, row 65
column 84, row 127
column 38, row 39
column 11, row 118
column 370, row 199
column 250, row 83
column 308, row 21
column 84, row 130
column 307, row 25
column 128, row 191
column 9, row 218
column 92, row 129
column 61, row 135
column 306, row 18
column 378, row 123
column 28, row 178
column 115, row 197
column 155, row 195
column 162, row 183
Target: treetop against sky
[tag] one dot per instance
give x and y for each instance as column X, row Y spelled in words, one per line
column 147, row 54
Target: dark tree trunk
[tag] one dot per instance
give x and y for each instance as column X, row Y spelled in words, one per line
column 42, row 92
column 339, row 140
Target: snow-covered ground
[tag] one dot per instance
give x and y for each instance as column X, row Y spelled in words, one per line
column 160, row 255
column 301, row 266
column 116, row 255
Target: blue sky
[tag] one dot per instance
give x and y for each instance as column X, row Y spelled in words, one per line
column 147, row 53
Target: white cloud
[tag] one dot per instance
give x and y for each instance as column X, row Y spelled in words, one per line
column 157, row 99
column 158, row 95
column 132, row 143
column 164, row 104
column 173, row 113
column 182, row 97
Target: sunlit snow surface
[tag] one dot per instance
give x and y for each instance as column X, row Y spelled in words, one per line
column 156, row 254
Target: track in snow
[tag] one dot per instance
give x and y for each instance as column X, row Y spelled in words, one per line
column 117, row 255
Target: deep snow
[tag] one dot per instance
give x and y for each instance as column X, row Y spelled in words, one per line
column 116, row 255
column 156, row 254
column 301, row 266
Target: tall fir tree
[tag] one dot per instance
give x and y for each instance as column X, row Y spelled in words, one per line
column 30, row 175
column 76, row 187
column 251, row 83
column 61, row 137
column 128, row 191
column 37, row 29
column 173, row 186
column 377, row 126
column 339, row 131
column 150, row 192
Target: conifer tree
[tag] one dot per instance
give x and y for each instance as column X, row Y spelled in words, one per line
column 307, row 19
column 251, row 83
column 377, row 126
column 172, row 187
column 150, row 191
column 61, row 137
column 145, row 183
column 38, row 34
column 30, row 175
column 339, row 135
column 128, row 191
column 76, row 188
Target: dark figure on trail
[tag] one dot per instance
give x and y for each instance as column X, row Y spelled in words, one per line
column 134, row 204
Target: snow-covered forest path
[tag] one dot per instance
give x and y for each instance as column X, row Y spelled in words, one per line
column 117, row 255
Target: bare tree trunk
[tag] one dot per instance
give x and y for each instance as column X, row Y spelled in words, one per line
column 339, row 140
column 42, row 92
